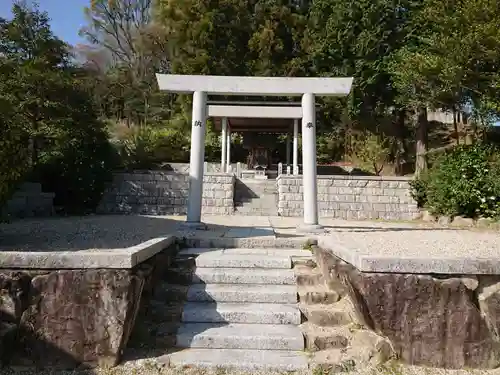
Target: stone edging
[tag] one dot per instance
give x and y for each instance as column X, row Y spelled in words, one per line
column 124, row 258
column 387, row 264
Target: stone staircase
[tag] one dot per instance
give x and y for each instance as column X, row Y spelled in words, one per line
column 241, row 311
column 256, row 197
column 334, row 336
column 253, row 309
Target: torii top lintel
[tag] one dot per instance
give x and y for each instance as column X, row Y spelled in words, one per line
column 265, row 86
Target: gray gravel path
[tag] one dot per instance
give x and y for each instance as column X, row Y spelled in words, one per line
column 83, row 233
column 418, row 242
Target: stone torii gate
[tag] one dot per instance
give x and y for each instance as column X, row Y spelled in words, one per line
column 201, row 86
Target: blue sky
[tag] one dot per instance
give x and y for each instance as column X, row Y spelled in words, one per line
column 66, row 16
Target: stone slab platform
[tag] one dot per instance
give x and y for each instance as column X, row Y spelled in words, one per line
column 114, row 241
column 122, row 241
column 416, row 249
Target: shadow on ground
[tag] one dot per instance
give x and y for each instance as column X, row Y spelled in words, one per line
column 174, row 314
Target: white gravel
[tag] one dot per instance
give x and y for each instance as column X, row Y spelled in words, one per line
column 83, row 233
column 418, row 242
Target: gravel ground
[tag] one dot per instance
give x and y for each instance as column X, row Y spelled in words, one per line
column 83, row 233
column 372, row 237
column 418, row 242
column 150, row 368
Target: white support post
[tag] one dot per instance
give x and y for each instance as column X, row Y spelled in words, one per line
column 196, row 161
column 224, row 145
column 309, row 165
column 228, row 150
column 238, row 170
column 288, row 148
column 295, row 146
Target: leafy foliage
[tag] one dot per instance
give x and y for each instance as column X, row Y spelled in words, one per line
column 13, row 147
column 463, row 182
column 150, row 148
column 51, row 111
column 370, row 152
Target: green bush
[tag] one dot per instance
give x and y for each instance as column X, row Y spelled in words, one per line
column 78, row 172
column 419, row 189
column 150, row 148
column 14, row 155
column 463, row 182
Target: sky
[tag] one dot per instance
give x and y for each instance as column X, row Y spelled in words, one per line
column 66, row 16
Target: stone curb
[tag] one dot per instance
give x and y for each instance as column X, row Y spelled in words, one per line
column 124, row 258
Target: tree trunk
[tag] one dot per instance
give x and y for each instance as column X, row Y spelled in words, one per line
column 401, row 151
column 421, row 138
column 455, row 126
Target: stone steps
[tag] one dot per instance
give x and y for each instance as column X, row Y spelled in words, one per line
column 307, row 276
column 255, row 293
column 242, row 359
column 241, row 336
column 269, row 242
column 323, row 338
column 293, row 252
column 317, row 294
column 244, row 276
column 241, row 310
column 256, row 198
column 250, row 313
column 336, row 314
column 218, row 260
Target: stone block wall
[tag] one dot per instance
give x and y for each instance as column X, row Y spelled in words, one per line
column 351, row 197
column 165, row 193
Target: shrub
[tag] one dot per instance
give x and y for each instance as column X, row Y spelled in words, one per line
column 419, row 189
column 463, row 182
column 78, row 172
column 149, row 148
column 14, row 155
column 370, row 152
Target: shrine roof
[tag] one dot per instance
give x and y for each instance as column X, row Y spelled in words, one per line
column 261, row 125
column 254, row 116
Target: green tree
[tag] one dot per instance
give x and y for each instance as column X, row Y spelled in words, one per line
column 452, row 63
column 49, row 106
column 128, row 49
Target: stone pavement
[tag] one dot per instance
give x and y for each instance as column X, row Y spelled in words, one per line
column 382, row 242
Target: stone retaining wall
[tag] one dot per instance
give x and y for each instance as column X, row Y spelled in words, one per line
column 92, row 312
column 166, row 193
column 436, row 320
column 351, row 197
